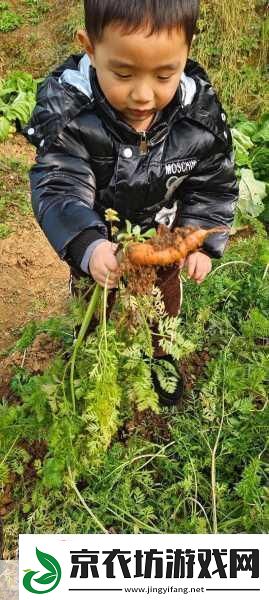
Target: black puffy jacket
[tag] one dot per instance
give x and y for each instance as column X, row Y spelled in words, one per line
column 180, row 171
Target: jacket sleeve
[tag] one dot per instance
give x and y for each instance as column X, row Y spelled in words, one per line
column 63, row 195
column 208, row 198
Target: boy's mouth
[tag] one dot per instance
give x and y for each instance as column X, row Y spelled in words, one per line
column 141, row 113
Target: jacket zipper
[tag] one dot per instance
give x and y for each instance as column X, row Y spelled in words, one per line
column 143, row 147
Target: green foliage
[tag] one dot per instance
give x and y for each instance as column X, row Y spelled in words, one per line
column 256, row 326
column 251, row 194
column 140, row 485
column 260, row 163
column 139, row 390
column 79, row 439
column 134, row 234
column 166, row 374
column 17, row 101
column 5, row 230
column 57, row 327
column 9, row 20
column 251, row 143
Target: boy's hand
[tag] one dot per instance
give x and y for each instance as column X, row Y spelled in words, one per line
column 102, row 262
column 198, row 265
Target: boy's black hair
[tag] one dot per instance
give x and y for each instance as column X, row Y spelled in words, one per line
column 132, row 15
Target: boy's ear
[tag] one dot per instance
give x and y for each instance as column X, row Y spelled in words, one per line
column 85, row 41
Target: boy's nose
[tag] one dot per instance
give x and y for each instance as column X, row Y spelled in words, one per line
column 142, row 95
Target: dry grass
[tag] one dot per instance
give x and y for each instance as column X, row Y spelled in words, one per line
column 232, row 46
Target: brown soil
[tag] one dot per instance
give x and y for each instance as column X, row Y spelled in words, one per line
column 33, row 280
column 37, row 450
column 6, row 500
column 193, row 367
column 149, row 425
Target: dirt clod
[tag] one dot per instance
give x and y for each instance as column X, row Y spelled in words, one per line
column 149, row 425
column 193, row 367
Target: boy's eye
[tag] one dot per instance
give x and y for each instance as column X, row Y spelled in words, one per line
column 164, row 78
column 121, row 76
column 160, row 77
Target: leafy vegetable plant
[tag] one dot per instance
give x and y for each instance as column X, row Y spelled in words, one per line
column 17, row 101
column 251, row 142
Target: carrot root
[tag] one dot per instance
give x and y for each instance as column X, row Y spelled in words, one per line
column 149, row 254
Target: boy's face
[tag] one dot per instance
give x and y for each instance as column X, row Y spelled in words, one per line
column 138, row 75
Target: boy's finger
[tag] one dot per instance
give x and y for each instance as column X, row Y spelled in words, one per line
column 109, row 281
column 201, row 274
column 110, row 286
column 191, row 264
column 111, row 264
column 111, row 276
column 200, row 279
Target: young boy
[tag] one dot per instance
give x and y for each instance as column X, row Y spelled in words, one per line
column 133, row 125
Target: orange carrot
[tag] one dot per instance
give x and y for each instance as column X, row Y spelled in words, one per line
column 146, row 254
column 196, row 239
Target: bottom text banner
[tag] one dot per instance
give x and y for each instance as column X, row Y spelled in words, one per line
column 93, row 567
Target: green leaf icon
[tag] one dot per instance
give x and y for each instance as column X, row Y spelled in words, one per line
column 47, row 561
column 47, row 578
column 53, row 575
